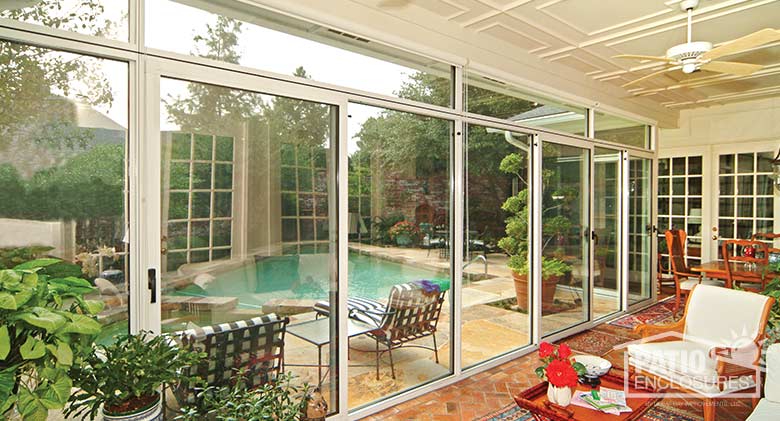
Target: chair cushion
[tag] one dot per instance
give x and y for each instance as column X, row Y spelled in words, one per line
column 365, row 310
column 723, row 316
column 683, row 357
column 772, row 382
column 690, row 283
column 686, row 364
column 766, row 410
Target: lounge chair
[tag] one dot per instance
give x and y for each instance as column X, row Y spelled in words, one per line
column 412, row 312
column 255, row 345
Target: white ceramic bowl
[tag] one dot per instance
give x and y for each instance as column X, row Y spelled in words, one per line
column 595, row 366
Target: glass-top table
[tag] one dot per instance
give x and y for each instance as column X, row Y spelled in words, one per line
column 317, row 333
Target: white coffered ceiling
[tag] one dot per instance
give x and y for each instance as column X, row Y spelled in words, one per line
column 584, row 35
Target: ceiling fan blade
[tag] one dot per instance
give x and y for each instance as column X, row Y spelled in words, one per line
column 639, row 57
column 734, row 68
column 747, row 42
column 393, row 4
column 668, row 69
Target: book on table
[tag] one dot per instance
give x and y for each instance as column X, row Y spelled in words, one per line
column 609, row 401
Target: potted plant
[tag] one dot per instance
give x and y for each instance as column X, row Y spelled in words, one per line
column 47, row 327
column 279, row 400
column 560, row 372
column 125, row 377
column 404, row 233
column 515, row 243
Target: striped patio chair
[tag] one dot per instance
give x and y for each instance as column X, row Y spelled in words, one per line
column 411, row 313
column 255, row 345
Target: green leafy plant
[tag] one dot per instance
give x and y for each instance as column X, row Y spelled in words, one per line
column 126, row 375
column 280, row 400
column 47, row 327
column 515, row 243
column 382, row 227
column 405, row 228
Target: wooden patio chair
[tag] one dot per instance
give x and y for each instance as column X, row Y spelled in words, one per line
column 769, row 238
column 736, row 275
column 684, row 278
column 255, row 345
column 713, row 351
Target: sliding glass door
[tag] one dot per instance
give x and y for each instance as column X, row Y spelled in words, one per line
column 640, row 229
column 248, row 221
column 565, row 236
column 607, row 196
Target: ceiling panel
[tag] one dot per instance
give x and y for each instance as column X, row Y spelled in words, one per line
column 584, row 35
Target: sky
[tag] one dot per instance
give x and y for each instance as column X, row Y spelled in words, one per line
column 171, row 26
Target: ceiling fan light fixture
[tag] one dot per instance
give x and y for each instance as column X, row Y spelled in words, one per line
column 689, row 68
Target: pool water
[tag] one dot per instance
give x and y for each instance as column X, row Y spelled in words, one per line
column 307, row 277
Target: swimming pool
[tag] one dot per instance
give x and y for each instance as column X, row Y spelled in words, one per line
column 307, row 277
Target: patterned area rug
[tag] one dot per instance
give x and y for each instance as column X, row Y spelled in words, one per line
column 661, row 312
column 594, row 342
column 658, row 413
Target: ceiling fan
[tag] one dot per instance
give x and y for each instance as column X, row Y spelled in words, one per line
column 700, row 55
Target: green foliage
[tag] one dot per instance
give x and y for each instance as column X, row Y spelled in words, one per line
column 276, row 401
column 47, row 327
column 772, row 289
column 515, row 243
column 382, row 227
column 133, row 367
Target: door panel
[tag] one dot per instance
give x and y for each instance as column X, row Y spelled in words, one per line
column 606, row 227
column 640, row 233
column 565, row 238
column 248, row 214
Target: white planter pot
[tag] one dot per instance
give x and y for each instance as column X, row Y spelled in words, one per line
column 150, row 413
column 559, row 395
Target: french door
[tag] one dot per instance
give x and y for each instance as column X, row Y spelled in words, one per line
column 716, row 193
column 242, row 196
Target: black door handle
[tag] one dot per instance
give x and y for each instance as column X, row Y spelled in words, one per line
column 152, row 279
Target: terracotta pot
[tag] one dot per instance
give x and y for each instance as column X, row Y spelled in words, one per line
column 560, row 396
column 521, row 290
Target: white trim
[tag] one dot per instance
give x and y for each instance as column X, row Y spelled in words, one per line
column 535, row 266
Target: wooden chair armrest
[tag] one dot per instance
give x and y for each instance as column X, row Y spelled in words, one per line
column 647, row 330
column 729, row 363
column 688, row 274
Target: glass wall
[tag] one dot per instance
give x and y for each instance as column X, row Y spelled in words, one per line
column 496, row 309
column 399, row 251
column 63, row 184
column 640, row 234
column 101, row 18
column 606, row 218
column 565, row 236
column 680, row 201
column 277, row 43
column 247, row 217
column 620, row 130
column 493, row 98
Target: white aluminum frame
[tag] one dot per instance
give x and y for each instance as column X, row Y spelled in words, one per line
column 146, row 66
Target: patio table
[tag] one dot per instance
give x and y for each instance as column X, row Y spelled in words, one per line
column 535, row 401
column 317, row 333
column 716, row 269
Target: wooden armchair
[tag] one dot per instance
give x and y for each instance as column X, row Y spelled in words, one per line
column 713, row 351
column 684, row 278
column 735, row 272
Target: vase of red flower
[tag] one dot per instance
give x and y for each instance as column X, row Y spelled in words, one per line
column 559, row 371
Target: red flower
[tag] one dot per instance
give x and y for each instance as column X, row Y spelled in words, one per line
column 560, row 373
column 564, row 351
column 545, row 349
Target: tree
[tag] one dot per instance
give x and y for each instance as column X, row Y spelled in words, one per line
column 31, row 78
column 208, row 108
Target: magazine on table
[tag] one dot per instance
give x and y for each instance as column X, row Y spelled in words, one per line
column 609, row 401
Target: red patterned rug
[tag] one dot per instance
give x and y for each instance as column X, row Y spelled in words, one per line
column 658, row 413
column 594, row 342
column 659, row 313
